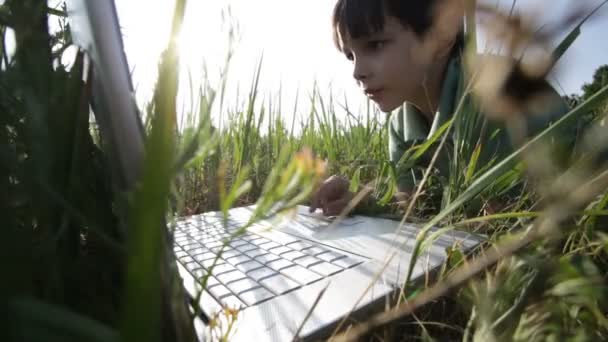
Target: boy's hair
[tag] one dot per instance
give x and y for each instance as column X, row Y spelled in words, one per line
column 359, row 18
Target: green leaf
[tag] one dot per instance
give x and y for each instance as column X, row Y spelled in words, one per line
column 472, row 164
column 39, row 321
column 355, row 181
column 565, row 44
column 147, row 241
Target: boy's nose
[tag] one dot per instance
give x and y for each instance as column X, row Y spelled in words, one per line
column 360, row 70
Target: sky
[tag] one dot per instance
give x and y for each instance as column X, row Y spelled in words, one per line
column 294, row 38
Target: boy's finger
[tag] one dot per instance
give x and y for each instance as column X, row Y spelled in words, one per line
column 315, row 202
column 319, row 198
column 332, row 189
column 335, row 208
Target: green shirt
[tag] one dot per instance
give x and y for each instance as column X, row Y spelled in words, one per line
column 409, row 127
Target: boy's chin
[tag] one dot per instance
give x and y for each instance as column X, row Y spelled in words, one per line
column 387, row 107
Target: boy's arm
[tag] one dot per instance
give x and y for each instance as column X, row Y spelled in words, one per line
column 370, row 205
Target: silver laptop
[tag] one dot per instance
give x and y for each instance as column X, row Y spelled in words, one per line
column 276, row 271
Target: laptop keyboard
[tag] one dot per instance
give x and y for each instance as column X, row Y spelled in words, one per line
column 252, row 268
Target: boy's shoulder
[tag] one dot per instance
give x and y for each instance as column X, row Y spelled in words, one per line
column 500, row 89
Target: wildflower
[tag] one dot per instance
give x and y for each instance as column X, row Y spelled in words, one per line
column 307, row 163
column 213, row 322
column 231, row 313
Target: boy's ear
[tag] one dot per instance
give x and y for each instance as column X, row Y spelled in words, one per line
column 448, row 19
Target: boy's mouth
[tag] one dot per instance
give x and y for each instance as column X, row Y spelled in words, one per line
column 373, row 92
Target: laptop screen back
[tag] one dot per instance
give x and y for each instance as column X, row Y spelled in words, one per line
column 95, row 28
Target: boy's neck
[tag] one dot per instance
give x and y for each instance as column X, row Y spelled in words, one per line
column 428, row 98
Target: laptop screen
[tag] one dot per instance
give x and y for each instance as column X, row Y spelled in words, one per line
column 95, row 28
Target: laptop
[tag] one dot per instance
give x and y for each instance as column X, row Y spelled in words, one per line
column 293, row 275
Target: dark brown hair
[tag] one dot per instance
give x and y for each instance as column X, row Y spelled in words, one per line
column 359, row 18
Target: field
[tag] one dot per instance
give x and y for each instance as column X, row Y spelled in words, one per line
column 84, row 260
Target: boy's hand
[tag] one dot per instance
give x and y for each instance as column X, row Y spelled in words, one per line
column 332, row 196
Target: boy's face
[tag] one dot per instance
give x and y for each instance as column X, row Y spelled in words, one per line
column 389, row 65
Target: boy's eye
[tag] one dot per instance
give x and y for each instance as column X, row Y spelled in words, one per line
column 376, row 45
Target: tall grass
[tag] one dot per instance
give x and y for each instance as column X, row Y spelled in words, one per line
column 85, row 262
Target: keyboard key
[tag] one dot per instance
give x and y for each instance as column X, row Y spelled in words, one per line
column 246, row 248
column 176, row 247
column 255, row 296
column 251, row 237
column 215, row 244
column 218, row 291
column 279, row 250
column 299, row 245
column 279, row 264
column 186, row 259
column 325, row 268
column 201, row 273
column 259, row 240
column 221, row 268
column 205, row 256
column 217, row 249
column 237, row 243
column 255, row 253
column 196, row 235
column 284, row 239
column 307, row 261
column 182, row 238
column 207, row 240
column 238, row 259
column 180, row 254
column 292, row 255
column 301, row 274
column 232, row 229
column 267, row 258
column 279, row 284
column 346, row 262
column 242, row 285
column 211, row 229
column 315, row 250
column 227, row 277
column 211, row 281
column 248, row 266
column 232, row 302
column 207, row 263
column 192, row 266
column 224, row 236
column 198, row 250
column 260, row 273
column 330, row 256
column 191, row 246
column 268, row 245
column 229, row 254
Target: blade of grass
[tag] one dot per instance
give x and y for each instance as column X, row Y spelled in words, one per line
column 565, row 44
column 142, row 308
column 506, row 164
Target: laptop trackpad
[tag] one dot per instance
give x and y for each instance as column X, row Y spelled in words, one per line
column 369, row 237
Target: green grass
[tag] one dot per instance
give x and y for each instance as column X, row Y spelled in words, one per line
column 82, row 261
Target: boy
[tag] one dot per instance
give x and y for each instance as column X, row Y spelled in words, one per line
column 406, row 52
